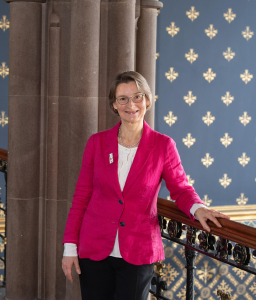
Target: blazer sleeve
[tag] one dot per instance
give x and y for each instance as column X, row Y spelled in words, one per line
column 177, row 182
column 82, row 195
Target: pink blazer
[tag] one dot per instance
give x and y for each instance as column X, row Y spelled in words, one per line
column 99, row 207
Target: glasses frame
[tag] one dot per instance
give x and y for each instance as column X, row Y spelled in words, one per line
column 131, row 98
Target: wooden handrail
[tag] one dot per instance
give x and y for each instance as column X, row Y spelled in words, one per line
column 3, row 154
column 234, row 231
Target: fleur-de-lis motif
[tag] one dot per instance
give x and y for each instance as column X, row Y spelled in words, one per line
column 158, row 12
column 171, row 75
column 191, row 56
column 242, row 200
column 245, row 119
column 229, row 54
column 156, row 97
column 225, row 181
column 226, row 140
column 207, row 201
column 207, row 160
column 229, row 15
column 227, row 99
column 246, row 77
column 4, row 23
column 247, row 34
column 208, row 119
column 4, row 70
column 190, row 180
column 3, row 119
column 189, row 140
column 189, row 99
column 206, row 272
column 157, row 55
column 192, row 13
column 170, row 119
column 209, row 75
column 211, row 32
column 243, row 160
column 172, row 30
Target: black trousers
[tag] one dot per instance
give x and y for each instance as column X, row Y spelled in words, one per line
column 114, row 279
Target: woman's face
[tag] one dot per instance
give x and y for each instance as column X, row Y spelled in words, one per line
column 130, row 112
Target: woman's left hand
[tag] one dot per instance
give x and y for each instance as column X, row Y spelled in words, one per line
column 204, row 214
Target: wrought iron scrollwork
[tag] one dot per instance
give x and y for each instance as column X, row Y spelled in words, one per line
column 191, row 235
column 174, row 229
column 160, row 284
column 224, row 248
column 206, row 241
column 242, row 255
column 223, row 296
column 162, row 222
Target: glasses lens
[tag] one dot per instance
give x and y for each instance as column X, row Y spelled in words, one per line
column 122, row 100
column 137, row 98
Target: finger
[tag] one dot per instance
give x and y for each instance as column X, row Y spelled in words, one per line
column 204, row 224
column 214, row 220
column 77, row 267
column 69, row 275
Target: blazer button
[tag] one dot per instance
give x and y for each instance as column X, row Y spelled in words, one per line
column 122, row 224
column 120, row 201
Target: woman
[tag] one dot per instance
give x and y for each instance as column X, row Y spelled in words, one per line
column 113, row 225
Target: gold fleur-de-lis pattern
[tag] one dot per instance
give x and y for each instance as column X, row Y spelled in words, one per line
column 192, row 13
column 191, row 56
column 4, row 23
column 208, row 119
column 189, row 99
column 245, row 119
column 247, row 33
column 211, row 32
column 229, row 54
column 227, row 99
column 229, row 15
column 246, row 76
column 225, row 181
column 170, row 119
column 209, row 75
column 207, row 160
column 4, row 70
column 172, row 29
column 171, row 75
column 226, row 140
column 189, row 140
column 243, row 160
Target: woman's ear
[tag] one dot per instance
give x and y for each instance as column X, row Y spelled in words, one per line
column 114, row 105
column 147, row 102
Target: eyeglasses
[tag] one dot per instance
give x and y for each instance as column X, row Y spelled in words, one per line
column 135, row 98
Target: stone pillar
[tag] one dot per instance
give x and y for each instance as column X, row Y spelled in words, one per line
column 146, row 48
column 24, row 150
column 53, row 207
column 84, row 86
column 121, row 46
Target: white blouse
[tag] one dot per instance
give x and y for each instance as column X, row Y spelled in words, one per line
column 125, row 160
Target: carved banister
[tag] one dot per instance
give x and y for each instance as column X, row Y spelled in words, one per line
column 3, row 154
column 234, row 231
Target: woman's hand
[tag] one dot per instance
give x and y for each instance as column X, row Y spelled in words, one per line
column 67, row 263
column 204, row 214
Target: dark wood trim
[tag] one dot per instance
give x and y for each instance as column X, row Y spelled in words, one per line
column 3, row 154
column 234, row 231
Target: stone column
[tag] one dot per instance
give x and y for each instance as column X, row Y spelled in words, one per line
column 146, row 48
column 84, row 86
column 24, row 150
column 121, row 47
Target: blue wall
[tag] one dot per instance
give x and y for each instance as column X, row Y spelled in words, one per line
column 172, row 49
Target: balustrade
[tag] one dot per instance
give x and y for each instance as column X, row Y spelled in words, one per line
column 173, row 222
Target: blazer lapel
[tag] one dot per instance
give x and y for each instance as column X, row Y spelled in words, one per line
column 142, row 155
column 111, row 149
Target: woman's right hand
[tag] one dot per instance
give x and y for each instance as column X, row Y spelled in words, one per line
column 67, row 263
